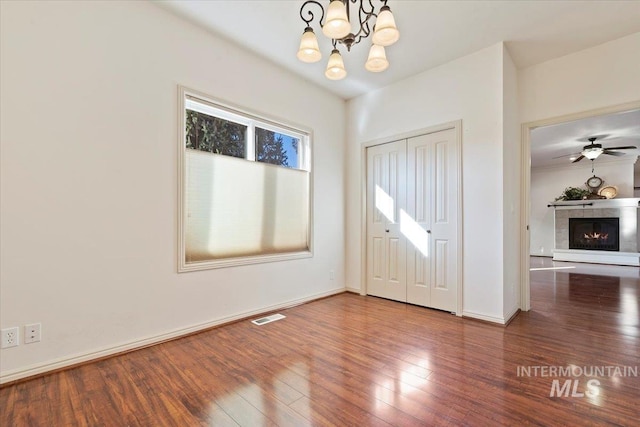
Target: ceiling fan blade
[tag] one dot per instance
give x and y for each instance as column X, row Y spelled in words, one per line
column 566, row 155
column 627, row 147
column 613, row 153
column 578, row 159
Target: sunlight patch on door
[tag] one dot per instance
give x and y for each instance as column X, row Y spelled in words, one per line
column 385, row 204
column 414, row 232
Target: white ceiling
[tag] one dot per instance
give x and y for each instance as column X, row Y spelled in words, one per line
column 436, row 32
column 564, row 139
column 431, row 33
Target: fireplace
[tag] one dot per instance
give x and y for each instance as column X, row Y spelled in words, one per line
column 597, row 234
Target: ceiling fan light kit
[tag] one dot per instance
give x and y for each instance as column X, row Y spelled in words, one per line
column 338, row 27
column 593, row 150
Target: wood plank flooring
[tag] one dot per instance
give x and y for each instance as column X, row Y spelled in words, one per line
column 362, row 361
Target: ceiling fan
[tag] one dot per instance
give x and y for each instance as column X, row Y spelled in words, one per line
column 593, row 150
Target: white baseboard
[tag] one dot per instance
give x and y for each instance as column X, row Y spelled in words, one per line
column 511, row 313
column 64, row 362
column 484, row 317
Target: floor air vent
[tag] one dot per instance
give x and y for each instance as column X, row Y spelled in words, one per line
column 268, row 319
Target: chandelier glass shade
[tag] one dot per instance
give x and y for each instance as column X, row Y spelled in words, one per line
column 386, row 32
column 309, row 50
column 377, row 60
column 335, row 66
column 337, row 24
column 339, row 27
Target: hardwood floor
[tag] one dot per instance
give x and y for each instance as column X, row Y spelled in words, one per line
column 362, row 361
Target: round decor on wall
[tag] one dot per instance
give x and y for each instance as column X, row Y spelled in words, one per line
column 608, row 191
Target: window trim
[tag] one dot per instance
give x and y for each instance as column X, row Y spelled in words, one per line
column 253, row 119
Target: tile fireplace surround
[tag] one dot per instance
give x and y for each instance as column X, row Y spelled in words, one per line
column 625, row 209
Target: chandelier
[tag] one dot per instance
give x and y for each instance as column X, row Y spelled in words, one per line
column 337, row 27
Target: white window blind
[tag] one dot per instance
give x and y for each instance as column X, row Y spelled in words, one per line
column 237, row 210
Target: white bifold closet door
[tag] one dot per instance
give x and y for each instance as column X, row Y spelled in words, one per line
column 386, row 246
column 412, row 224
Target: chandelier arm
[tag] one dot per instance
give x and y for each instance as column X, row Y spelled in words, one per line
column 363, row 17
column 310, row 12
column 364, row 24
column 346, row 3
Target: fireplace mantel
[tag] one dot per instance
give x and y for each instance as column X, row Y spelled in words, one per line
column 625, row 209
column 596, row 203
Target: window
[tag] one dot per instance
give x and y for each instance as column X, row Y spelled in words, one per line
column 245, row 187
column 276, row 148
column 215, row 135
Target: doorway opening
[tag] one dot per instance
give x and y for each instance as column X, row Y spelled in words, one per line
column 548, row 169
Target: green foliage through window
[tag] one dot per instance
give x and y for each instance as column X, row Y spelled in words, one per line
column 215, row 135
column 230, row 133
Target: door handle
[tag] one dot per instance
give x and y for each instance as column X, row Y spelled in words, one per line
column 386, row 231
column 428, row 231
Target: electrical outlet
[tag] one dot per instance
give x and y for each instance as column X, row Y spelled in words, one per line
column 32, row 333
column 10, row 337
column 332, row 275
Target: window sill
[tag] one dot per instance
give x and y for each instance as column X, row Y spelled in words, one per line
column 239, row 261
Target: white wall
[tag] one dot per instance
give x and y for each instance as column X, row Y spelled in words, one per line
column 511, row 186
column 471, row 89
column 601, row 76
column 547, row 183
column 88, row 180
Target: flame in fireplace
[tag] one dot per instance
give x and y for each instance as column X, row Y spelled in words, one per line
column 596, row 236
